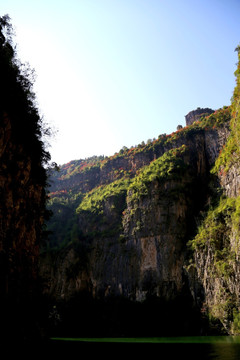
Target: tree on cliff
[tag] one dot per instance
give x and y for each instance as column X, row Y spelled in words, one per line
column 22, row 191
column 17, row 96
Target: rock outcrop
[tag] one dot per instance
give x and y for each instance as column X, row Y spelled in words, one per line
column 195, row 115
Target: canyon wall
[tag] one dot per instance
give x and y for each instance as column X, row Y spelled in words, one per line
column 22, row 196
column 132, row 243
column 147, row 241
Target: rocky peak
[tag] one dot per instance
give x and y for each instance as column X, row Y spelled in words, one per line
column 195, row 115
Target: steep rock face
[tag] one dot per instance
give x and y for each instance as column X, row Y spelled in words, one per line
column 125, row 235
column 161, row 221
column 216, row 244
column 230, row 181
column 135, row 244
column 22, row 195
column 215, row 141
column 21, row 220
column 216, row 265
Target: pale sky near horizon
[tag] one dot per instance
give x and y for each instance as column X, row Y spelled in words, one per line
column 114, row 73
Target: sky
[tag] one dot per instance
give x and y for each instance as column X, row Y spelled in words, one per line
column 114, row 73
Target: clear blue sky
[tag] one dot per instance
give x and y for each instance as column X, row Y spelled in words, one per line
column 112, row 73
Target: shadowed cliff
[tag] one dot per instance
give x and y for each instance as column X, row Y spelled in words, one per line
column 22, row 194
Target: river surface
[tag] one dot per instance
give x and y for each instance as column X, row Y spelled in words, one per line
column 185, row 348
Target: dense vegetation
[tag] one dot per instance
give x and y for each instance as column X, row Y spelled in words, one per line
column 231, row 152
column 169, row 166
column 163, row 159
column 18, row 101
column 95, row 199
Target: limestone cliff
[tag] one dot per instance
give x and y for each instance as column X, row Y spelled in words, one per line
column 147, row 241
column 128, row 220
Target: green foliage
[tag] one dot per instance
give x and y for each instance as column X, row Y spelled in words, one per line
column 227, row 157
column 94, row 205
column 95, row 199
column 218, row 119
column 230, row 154
column 19, row 104
column 169, row 166
column 80, row 166
column 216, row 247
column 218, row 219
column 217, row 241
column 61, row 225
column 224, row 217
column 24, row 150
column 207, row 122
column 236, row 322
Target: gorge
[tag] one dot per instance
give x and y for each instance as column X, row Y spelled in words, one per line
column 142, row 243
column 146, row 241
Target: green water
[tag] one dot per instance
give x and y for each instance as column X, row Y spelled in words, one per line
column 161, row 348
column 162, row 340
